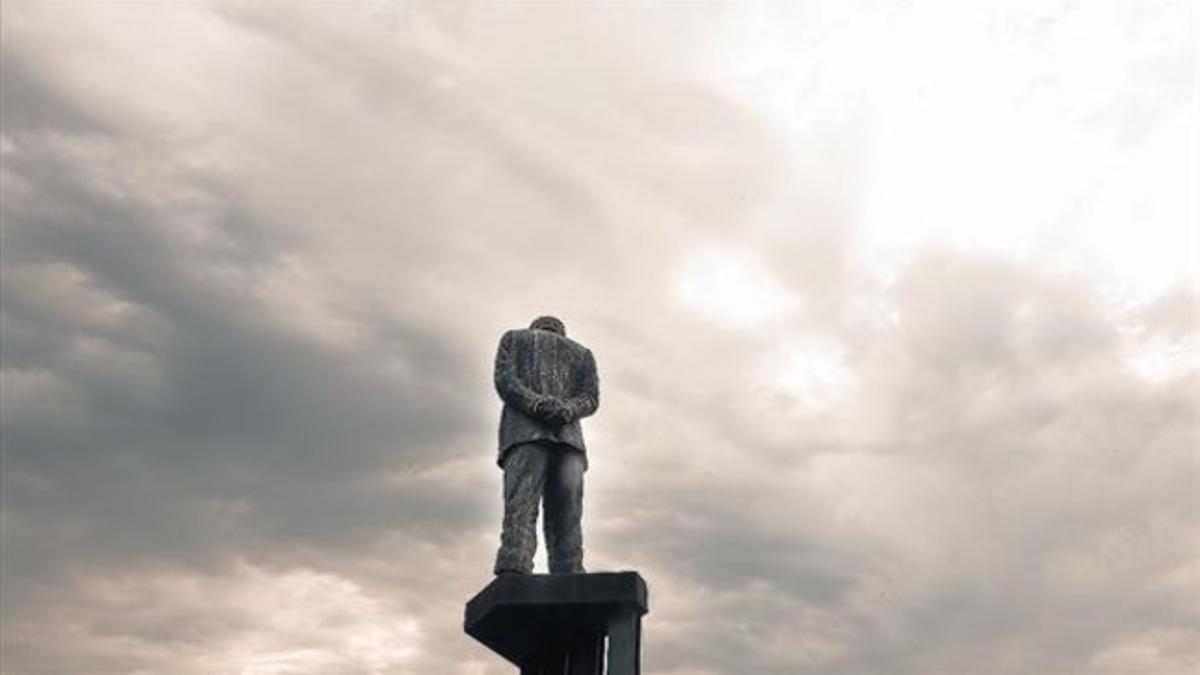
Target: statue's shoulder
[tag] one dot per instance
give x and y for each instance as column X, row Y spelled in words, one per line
column 528, row 336
column 578, row 349
column 519, row 338
column 516, row 334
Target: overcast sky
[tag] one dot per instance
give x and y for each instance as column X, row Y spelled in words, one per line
column 894, row 306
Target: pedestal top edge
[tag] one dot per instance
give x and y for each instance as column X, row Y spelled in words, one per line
column 625, row 588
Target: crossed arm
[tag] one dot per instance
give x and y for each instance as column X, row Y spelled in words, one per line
column 540, row 406
column 587, row 400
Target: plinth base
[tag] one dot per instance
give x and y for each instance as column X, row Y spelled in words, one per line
column 559, row 624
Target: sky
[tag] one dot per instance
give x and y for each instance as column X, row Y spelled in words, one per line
column 894, row 306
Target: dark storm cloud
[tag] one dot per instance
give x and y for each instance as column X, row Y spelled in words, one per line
column 197, row 390
column 170, row 418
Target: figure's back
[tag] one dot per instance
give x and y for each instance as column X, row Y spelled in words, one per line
column 548, row 363
column 533, row 365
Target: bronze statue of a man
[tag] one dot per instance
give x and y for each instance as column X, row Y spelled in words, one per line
column 548, row 383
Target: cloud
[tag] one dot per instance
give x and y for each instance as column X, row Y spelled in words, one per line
column 883, row 390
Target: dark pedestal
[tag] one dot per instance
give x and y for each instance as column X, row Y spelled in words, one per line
column 559, row 624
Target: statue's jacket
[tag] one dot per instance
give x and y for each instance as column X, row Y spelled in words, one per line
column 532, row 364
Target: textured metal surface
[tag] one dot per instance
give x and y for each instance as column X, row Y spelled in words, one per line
column 548, row 382
column 533, row 471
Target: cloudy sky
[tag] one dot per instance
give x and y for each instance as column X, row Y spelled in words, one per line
column 894, row 305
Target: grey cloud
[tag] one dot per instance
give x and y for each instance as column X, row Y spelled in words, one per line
column 30, row 103
column 195, row 393
column 1014, row 429
column 246, row 354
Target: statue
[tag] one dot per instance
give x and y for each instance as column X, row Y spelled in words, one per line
column 567, row 622
column 548, row 383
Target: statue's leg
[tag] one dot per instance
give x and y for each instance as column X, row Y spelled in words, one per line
column 564, row 509
column 524, row 479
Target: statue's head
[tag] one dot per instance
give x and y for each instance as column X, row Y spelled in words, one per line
column 549, row 323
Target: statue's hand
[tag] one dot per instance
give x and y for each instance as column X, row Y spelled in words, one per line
column 561, row 414
column 553, row 410
column 543, row 406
